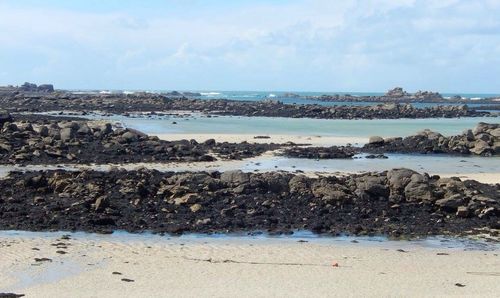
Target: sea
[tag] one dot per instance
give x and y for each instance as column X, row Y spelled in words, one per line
column 184, row 125
column 299, row 98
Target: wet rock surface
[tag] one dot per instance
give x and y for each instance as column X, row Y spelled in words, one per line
column 45, row 141
column 145, row 102
column 333, row 152
column 400, row 203
column 10, row 295
column 483, row 140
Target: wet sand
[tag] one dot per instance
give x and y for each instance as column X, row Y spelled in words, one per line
column 215, row 268
column 273, row 138
column 269, row 162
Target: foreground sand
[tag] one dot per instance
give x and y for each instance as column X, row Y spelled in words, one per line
column 491, row 178
column 232, row 268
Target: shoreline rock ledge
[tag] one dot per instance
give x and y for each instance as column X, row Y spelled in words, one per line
column 483, row 140
column 398, row 203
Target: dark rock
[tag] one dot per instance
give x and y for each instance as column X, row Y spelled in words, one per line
column 235, row 177
column 241, row 202
column 450, row 203
column 4, row 117
column 10, row 295
column 375, row 140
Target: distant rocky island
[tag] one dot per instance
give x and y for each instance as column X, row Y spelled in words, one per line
column 398, row 95
column 27, row 87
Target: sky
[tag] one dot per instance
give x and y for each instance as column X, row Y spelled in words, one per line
column 295, row 45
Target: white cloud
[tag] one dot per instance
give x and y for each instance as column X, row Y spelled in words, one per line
column 308, row 44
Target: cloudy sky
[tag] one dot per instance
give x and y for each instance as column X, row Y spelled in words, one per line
column 296, row 45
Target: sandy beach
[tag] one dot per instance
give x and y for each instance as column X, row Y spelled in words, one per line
column 272, row 138
column 103, row 267
column 491, row 178
column 249, row 149
column 227, row 165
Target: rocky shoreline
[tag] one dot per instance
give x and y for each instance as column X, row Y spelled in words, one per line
column 39, row 139
column 47, row 140
column 483, row 140
column 24, row 101
column 333, row 152
column 399, row 203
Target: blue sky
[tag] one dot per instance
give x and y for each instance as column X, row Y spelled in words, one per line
column 296, row 45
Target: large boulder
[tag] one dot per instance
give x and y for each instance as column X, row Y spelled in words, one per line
column 469, row 135
column 106, row 128
column 396, row 92
column 429, row 134
column 235, row 177
column 46, row 88
column 418, row 188
column 398, row 180
column 28, row 87
column 132, row 135
column 275, row 182
column 374, row 186
column 4, row 117
column 495, row 133
column 329, row 191
column 375, row 140
column 481, row 147
column 450, row 203
column 481, row 127
column 67, row 134
column 299, row 184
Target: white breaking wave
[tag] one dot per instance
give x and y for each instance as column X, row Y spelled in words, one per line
column 104, row 92
column 209, row 93
column 271, row 95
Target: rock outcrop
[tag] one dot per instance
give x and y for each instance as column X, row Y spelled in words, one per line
column 399, row 202
column 333, row 152
column 483, row 140
column 154, row 103
column 53, row 142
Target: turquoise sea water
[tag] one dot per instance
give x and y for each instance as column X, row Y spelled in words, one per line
column 270, row 125
column 198, row 124
column 281, row 96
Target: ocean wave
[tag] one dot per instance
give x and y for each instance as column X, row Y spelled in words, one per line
column 247, row 96
column 271, row 95
column 105, row 92
column 209, row 93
